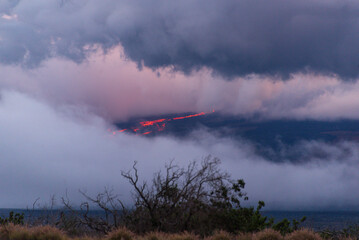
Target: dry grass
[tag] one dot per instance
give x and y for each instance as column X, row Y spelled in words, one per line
column 183, row 236
column 155, row 236
column 245, row 236
column 268, row 234
column 12, row 232
column 165, row 236
column 121, row 234
column 84, row 238
column 303, row 234
column 221, row 235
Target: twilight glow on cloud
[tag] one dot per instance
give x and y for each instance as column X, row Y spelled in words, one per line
column 70, row 70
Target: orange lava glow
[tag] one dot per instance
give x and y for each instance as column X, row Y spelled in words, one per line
column 150, row 123
column 190, row 116
column 156, row 125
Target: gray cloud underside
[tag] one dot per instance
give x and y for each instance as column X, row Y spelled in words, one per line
column 231, row 37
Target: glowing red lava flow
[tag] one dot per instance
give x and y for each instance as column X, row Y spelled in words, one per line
column 150, row 123
column 160, row 124
column 190, row 116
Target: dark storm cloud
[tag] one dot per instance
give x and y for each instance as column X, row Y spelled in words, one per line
column 231, row 37
column 5, row 6
column 244, row 37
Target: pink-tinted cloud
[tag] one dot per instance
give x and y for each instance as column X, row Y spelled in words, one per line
column 112, row 86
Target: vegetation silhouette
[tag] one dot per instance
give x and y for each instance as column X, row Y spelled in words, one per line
column 198, row 198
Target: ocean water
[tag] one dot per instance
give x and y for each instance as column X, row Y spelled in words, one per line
column 316, row 220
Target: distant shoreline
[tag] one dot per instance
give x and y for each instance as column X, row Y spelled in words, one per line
column 316, row 220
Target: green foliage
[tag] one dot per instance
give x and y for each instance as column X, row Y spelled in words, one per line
column 285, row 226
column 14, row 218
column 351, row 232
column 242, row 219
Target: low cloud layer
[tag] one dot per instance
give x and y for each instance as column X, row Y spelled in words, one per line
column 45, row 152
column 112, row 87
column 234, row 38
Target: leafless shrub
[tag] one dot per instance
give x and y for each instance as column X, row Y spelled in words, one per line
column 178, row 197
column 197, row 198
column 110, row 217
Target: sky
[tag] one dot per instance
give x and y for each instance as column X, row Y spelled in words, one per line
column 71, row 69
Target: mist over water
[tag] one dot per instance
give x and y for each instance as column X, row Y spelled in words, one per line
column 47, row 152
